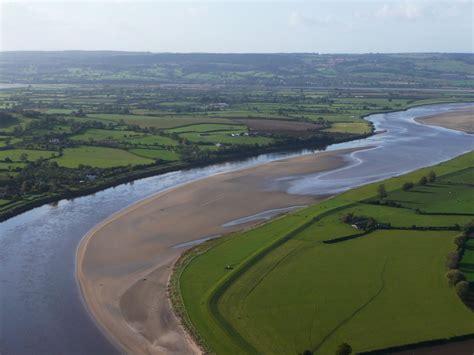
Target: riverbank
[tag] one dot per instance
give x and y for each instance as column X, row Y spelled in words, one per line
column 273, row 267
column 15, row 208
column 126, row 292
column 462, row 120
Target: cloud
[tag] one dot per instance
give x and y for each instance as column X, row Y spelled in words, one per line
column 407, row 10
column 296, row 19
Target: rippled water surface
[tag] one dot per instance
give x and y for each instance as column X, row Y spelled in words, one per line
column 405, row 146
column 41, row 308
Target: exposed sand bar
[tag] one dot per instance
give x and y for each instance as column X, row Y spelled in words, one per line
column 462, row 120
column 123, row 264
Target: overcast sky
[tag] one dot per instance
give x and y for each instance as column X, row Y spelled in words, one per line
column 239, row 26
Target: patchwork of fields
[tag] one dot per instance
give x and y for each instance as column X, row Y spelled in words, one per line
column 59, row 140
column 360, row 268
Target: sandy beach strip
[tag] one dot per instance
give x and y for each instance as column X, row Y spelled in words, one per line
column 462, row 120
column 123, row 265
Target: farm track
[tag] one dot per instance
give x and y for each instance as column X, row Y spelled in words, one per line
column 269, row 271
column 356, row 311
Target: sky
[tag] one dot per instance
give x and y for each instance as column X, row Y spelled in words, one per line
column 348, row 26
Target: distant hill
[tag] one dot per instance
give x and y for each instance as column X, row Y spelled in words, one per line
column 423, row 70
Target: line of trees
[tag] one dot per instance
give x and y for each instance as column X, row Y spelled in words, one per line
column 454, row 276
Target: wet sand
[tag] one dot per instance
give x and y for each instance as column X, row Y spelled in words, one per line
column 462, row 120
column 124, row 264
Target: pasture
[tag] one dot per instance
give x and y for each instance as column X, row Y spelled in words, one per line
column 205, row 128
column 280, row 288
column 225, row 137
column 16, row 155
column 152, row 140
column 160, row 122
column 349, row 127
column 99, row 157
column 158, row 154
column 105, row 134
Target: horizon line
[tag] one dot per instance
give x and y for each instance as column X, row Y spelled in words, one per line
column 206, row 52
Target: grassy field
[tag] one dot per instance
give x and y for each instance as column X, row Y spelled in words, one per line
column 280, row 289
column 105, row 134
column 349, row 127
column 5, row 141
column 225, row 137
column 161, row 122
column 209, row 128
column 10, row 166
column 31, row 155
column 100, row 157
column 153, row 140
column 156, row 154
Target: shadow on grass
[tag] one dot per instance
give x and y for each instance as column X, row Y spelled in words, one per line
column 467, row 267
column 422, row 192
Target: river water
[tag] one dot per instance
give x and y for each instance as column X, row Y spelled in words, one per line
column 41, row 309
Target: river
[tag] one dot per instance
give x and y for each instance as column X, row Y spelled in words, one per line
column 41, row 310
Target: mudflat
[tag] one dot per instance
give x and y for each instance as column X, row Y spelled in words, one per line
column 124, row 264
column 462, row 120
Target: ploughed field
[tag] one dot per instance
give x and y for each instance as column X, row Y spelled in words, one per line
column 367, row 268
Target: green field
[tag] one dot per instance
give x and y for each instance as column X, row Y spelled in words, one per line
column 161, row 122
column 160, row 154
column 350, row 127
column 31, row 155
column 8, row 141
column 225, row 137
column 100, row 157
column 280, row 289
column 9, row 166
column 209, row 128
column 105, row 134
column 153, row 140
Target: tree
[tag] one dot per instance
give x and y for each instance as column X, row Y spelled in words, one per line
column 381, row 192
column 432, row 176
column 460, row 240
column 423, row 181
column 454, row 277
column 347, row 218
column 469, row 227
column 24, row 187
column 24, row 157
column 371, row 224
column 452, row 260
column 462, row 289
column 344, row 349
column 408, row 186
